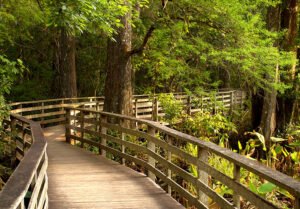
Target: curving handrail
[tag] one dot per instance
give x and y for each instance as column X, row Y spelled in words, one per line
column 27, row 187
column 162, row 146
column 52, row 111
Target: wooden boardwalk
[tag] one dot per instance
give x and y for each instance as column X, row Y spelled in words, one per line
column 79, row 179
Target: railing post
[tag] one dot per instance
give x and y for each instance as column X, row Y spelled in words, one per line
column 231, row 103
column 136, row 107
column 151, row 147
column 103, row 119
column 201, row 103
column 297, row 202
column 68, row 123
column 241, row 93
column 202, row 175
column 236, row 177
column 43, row 111
column 20, row 106
column 13, row 123
column 169, row 158
column 82, row 127
column 123, row 147
column 155, row 110
column 189, row 105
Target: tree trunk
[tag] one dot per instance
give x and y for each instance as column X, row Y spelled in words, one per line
column 65, row 66
column 287, row 102
column 118, row 84
column 268, row 118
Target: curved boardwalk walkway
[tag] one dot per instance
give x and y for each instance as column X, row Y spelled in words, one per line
column 79, row 179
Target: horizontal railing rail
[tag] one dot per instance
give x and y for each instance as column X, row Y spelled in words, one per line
column 52, row 111
column 27, row 186
column 160, row 151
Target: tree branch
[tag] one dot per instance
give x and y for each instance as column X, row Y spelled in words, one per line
column 140, row 49
column 40, row 5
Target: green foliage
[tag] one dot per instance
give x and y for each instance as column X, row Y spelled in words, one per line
column 172, row 108
column 9, row 70
column 77, row 16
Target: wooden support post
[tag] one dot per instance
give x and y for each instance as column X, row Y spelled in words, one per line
column 297, row 203
column 136, row 107
column 189, row 105
column 202, row 175
column 13, row 123
column 201, row 102
column 68, row 122
column 123, row 136
column 43, row 111
column 82, row 128
column 169, row 158
column 23, row 138
column 241, row 93
column 231, row 103
column 236, row 177
column 223, row 104
column 20, row 106
column 215, row 104
column 104, row 132
column 151, row 146
column 155, row 109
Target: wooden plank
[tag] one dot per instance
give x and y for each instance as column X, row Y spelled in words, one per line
column 100, row 180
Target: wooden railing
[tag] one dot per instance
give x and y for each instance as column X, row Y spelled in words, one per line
column 158, row 150
column 27, row 187
column 52, row 111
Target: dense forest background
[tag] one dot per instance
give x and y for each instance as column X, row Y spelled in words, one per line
column 117, row 48
column 75, row 48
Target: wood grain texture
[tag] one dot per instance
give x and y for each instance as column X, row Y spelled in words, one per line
column 79, row 179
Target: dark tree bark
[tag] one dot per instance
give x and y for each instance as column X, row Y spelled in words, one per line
column 268, row 117
column 287, row 102
column 119, row 79
column 118, row 84
column 65, row 65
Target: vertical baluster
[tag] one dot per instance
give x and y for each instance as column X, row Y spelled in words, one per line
column 189, row 105
column 68, row 123
column 103, row 131
column 23, row 138
column 231, row 102
column 43, row 111
column 151, row 146
column 123, row 147
column 236, row 177
column 82, row 127
column 155, row 110
column 136, row 107
column 169, row 158
column 202, row 175
column 297, row 202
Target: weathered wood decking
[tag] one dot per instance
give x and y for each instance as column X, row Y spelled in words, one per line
column 79, row 179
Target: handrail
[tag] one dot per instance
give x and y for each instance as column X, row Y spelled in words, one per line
column 52, row 111
column 31, row 190
column 86, row 127
column 27, row 186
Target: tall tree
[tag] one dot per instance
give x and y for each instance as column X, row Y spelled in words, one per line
column 287, row 102
column 71, row 18
column 268, row 118
column 118, row 84
column 65, row 64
